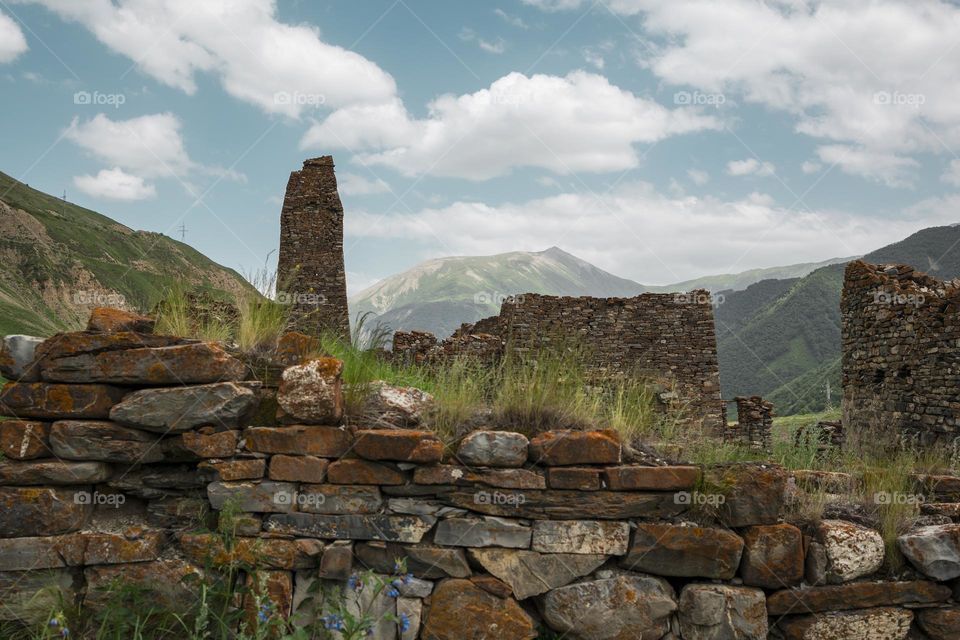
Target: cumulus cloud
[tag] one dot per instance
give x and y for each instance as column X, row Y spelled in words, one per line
column 12, row 42
column 280, row 68
column 115, row 184
column 885, row 168
column 878, row 77
column 654, row 238
column 351, row 184
column 579, row 122
column 809, row 166
column 750, row 167
column 698, row 176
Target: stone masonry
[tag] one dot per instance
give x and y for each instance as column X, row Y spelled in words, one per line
column 901, row 354
column 119, row 474
column 310, row 270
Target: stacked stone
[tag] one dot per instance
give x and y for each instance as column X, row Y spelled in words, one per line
column 754, row 426
column 900, row 333
column 502, row 534
column 828, row 434
column 422, row 347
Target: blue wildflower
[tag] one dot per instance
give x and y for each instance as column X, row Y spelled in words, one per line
column 54, row 622
column 404, row 623
column 392, row 593
column 354, row 583
column 407, row 578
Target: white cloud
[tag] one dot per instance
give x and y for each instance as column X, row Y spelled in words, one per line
column 351, row 184
column 497, row 46
column 698, row 176
column 280, row 68
column 115, row 184
column 12, row 42
column 651, row 237
column 510, row 19
column 886, row 168
column 750, row 167
column 580, row 122
column 952, row 174
column 809, row 166
column 879, row 76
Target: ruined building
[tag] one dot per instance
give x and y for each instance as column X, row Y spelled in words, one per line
column 901, row 353
column 310, row 271
column 669, row 337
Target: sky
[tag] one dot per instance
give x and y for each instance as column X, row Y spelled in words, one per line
column 660, row 140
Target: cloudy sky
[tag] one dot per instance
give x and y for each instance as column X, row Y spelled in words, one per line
column 659, row 139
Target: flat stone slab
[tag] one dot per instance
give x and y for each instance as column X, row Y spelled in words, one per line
column 530, row 573
column 103, row 441
column 401, row 445
column 356, row 471
column 684, row 551
column 43, row 511
column 566, row 505
column 870, row 624
column 58, row 401
column 256, row 497
column 179, row 409
column 425, row 561
column 352, row 527
column 24, row 439
column 635, row 478
column 464, row 476
column 588, row 537
column 933, row 550
column 324, row 442
column 298, row 468
column 773, row 556
column 709, row 611
column 493, row 449
column 482, row 532
column 53, row 471
column 560, row 448
column 856, row 595
column 574, row 478
column 338, row 499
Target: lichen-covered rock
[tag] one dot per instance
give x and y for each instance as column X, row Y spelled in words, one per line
column 392, row 406
column 311, row 393
column 465, row 476
column 351, row 527
column 256, row 497
column 772, row 556
column 338, row 499
column 852, row 551
column 482, row 532
column 239, row 469
column 636, row 478
column 716, row 611
column 574, row 478
column 43, row 511
column 177, row 409
column 622, row 607
column 940, row 623
column 751, row 493
column 869, row 624
column 325, row 442
column 493, row 449
column 30, row 596
column 103, row 441
column 168, row 585
column 24, row 439
column 427, row 562
column 207, row 549
column 855, row 595
column 356, row 471
column 109, row 320
column 401, row 445
column 17, row 354
column 210, row 444
column 298, row 468
column 63, row 345
column 684, row 551
column 581, row 537
column 933, row 550
column 198, row 363
column 459, row 609
column 58, row 401
column 530, row 573
column 52, row 471
column 563, row 447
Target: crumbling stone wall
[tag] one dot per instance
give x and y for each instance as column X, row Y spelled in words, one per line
column 901, row 354
column 121, row 447
column 310, row 269
column 754, row 427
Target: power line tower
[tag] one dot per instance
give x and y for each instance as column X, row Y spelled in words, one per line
column 183, row 232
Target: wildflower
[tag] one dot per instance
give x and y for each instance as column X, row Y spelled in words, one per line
column 392, row 592
column 333, row 622
column 407, row 578
column 404, row 623
column 54, row 622
column 264, row 614
column 354, row 582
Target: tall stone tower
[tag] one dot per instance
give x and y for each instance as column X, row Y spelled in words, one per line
column 310, row 271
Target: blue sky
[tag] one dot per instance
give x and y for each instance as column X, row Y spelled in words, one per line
column 659, row 140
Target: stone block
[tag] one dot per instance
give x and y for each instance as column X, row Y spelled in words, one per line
column 562, row 448
column 588, row 537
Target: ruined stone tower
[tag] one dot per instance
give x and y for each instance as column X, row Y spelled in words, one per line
column 310, row 271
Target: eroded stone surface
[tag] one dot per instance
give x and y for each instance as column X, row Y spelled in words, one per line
column 325, row 442
column 493, row 449
column 110, row 320
column 352, row 527
column 530, row 573
column 43, row 511
column 464, row 476
column 298, row 468
column 870, row 624
column 482, row 532
column 933, row 550
column 752, row 493
column 401, row 445
column 581, row 537
column 560, row 448
column 855, row 595
column 58, row 401
column 940, row 623
column 258, row 497
column 52, row 471
column 24, row 439
column 459, row 609
column 356, row 471
column 636, row 478
column 392, row 406
column 772, row 556
column 684, row 551
column 178, row 409
column 311, row 393
column 103, row 441
column 712, row 611
column 852, row 551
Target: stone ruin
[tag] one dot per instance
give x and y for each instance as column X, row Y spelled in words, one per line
column 901, row 354
column 754, row 426
column 310, row 269
column 667, row 336
column 121, row 447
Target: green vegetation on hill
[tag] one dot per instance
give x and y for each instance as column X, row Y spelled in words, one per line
column 59, row 260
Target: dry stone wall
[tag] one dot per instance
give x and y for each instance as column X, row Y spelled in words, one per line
column 119, row 474
column 901, row 342
column 310, row 269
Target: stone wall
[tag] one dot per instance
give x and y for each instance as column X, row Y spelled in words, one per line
column 121, row 448
column 901, row 354
column 310, row 269
column 754, row 426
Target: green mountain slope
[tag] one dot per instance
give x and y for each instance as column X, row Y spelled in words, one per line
column 742, row 280
column 58, row 260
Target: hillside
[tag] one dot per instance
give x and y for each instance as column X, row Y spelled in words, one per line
column 57, row 260
column 439, row 295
